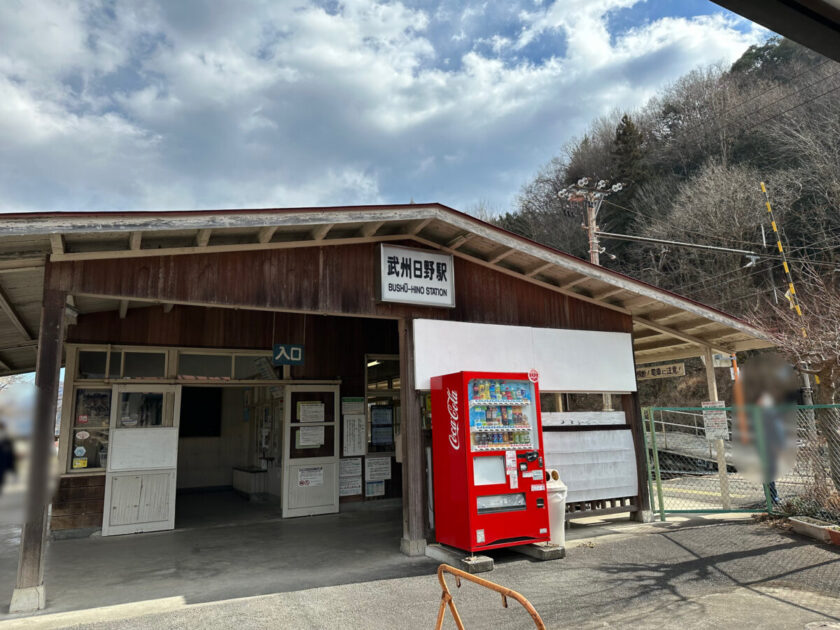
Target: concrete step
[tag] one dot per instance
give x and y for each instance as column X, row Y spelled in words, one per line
column 456, row 558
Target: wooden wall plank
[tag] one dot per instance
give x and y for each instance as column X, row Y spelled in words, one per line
column 329, row 280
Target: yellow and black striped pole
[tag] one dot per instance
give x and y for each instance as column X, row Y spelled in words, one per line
column 794, row 299
column 791, row 289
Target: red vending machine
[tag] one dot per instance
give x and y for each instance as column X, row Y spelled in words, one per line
column 489, row 477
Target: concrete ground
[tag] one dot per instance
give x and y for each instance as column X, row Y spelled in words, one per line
column 689, row 573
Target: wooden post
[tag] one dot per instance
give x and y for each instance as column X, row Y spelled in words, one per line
column 413, row 543
column 28, row 595
column 633, row 412
column 720, row 447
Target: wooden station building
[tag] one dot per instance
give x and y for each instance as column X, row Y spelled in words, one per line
column 286, row 353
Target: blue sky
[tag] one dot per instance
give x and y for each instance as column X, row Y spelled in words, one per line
column 130, row 105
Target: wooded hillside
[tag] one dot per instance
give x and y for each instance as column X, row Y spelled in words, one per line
column 691, row 161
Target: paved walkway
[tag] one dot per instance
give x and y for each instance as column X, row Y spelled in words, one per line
column 713, row 572
column 700, row 573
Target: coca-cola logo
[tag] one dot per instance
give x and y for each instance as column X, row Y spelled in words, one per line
column 452, row 407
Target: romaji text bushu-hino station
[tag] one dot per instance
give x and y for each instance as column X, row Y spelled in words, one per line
column 287, row 354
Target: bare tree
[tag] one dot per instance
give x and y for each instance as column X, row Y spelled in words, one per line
column 812, row 342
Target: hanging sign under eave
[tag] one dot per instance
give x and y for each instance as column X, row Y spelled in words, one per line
column 660, row 371
column 416, row 276
column 287, row 354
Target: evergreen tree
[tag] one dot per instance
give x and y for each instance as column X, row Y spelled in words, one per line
column 628, row 152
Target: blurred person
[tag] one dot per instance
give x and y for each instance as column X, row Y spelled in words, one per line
column 7, row 455
column 764, row 448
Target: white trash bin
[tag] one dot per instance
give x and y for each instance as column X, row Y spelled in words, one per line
column 557, row 492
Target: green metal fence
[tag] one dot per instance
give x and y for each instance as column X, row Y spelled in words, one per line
column 763, row 459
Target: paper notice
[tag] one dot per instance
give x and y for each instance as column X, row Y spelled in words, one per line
column 311, row 436
column 311, row 476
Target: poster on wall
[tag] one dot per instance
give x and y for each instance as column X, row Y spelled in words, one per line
column 354, row 435
column 377, row 468
column 311, row 476
column 349, row 486
column 350, row 467
column 375, row 489
column 311, row 436
column 310, row 411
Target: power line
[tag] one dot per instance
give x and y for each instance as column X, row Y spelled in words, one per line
column 727, row 250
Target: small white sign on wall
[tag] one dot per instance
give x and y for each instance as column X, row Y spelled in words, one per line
column 311, row 476
column 416, row 276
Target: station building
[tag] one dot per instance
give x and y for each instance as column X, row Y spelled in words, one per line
column 285, row 354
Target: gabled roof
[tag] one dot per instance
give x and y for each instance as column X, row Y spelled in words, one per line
column 666, row 326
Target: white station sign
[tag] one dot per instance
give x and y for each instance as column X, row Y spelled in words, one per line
column 416, row 276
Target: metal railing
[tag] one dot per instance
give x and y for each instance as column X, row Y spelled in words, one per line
column 780, row 459
column 447, row 601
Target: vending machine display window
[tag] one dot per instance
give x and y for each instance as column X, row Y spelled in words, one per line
column 501, row 414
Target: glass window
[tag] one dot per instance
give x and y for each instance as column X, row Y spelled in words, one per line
column 253, row 368
column 207, row 365
column 93, row 408
column 89, row 439
column 144, row 364
column 92, row 364
column 140, row 409
column 89, row 449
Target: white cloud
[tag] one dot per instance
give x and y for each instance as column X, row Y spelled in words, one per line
column 172, row 105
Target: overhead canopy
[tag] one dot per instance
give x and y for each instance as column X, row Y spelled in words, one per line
column 665, row 325
column 812, row 23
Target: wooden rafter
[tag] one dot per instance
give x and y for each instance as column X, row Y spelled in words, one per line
column 369, row 229
column 215, row 249
column 123, row 308
column 609, row 293
column 459, row 240
column 677, row 334
column 320, row 232
column 33, row 343
column 539, row 269
column 135, row 239
column 167, row 307
column 11, row 313
column 415, row 227
column 57, row 243
column 202, row 237
column 266, row 233
column 507, row 251
column 574, row 282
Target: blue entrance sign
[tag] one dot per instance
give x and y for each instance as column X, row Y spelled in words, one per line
column 287, row 354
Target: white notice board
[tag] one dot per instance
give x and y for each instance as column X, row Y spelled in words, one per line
column 567, row 360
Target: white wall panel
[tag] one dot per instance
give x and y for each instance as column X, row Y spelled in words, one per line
column 567, row 360
column 143, row 449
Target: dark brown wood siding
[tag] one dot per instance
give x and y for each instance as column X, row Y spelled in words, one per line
column 78, row 502
column 327, row 280
column 334, row 346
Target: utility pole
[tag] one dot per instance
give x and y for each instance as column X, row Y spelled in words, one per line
column 592, row 199
column 592, row 230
